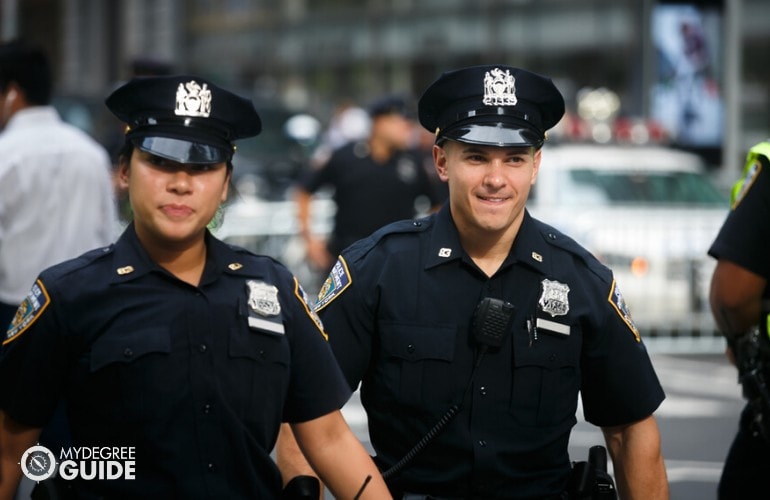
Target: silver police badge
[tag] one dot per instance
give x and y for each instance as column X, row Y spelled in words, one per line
column 263, row 298
column 192, row 99
column 554, row 299
column 499, row 88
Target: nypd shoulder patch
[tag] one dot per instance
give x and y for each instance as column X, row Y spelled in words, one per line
column 619, row 304
column 33, row 305
column 302, row 295
column 338, row 280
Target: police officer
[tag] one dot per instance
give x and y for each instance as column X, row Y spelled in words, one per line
column 738, row 291
column 473, row 330
column 376, row 181
column 182, row 351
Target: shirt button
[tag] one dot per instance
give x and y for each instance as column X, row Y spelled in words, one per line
column 203, row 348
column 482, row 443
column 207, row 409
column 410, row 348
column 128, row 352
column 483, row 390
column 210, row 466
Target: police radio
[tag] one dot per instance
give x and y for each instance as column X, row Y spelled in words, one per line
column 491, row 320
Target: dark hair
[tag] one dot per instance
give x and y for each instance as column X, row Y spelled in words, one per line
column 28, row 67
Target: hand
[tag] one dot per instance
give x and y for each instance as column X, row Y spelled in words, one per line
column 317, row 254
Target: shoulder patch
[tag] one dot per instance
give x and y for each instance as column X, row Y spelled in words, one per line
column 619, row 304
column 29, row 310
column 744, row 184
column 302, row 296
column 338, row 280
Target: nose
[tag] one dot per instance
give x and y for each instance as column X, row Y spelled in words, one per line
column 180, row 181
column 494, row 176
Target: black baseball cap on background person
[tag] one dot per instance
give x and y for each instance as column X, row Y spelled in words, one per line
column 183, row 118
column 494, row 105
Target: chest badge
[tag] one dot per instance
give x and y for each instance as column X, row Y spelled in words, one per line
column 553, row 298
column 263, row 298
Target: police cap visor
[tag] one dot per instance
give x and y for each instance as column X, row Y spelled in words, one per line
column 494, row 134
column 181, row 151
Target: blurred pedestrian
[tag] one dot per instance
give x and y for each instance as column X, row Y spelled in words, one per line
column 739, row 302
column 473, row 331
column 56, row 200
column 173, row 348
column 375, row 181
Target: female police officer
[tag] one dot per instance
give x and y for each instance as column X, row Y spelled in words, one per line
column 486, row 320
column 181, row 352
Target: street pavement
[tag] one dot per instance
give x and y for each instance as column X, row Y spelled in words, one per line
column 697, row 420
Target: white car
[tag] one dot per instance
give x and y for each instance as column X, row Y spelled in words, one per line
column 650, row 214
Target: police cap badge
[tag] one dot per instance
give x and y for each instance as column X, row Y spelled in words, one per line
column 493, row 105
column 183, row 118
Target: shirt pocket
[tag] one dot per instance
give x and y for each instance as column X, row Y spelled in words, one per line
column 130, row 372
column 546, row 378
column 417, row 363
column 258, row 371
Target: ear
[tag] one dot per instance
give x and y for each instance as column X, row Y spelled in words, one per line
column 124, row 170
column 226, row 187
column 535, row 165
column 440, row 162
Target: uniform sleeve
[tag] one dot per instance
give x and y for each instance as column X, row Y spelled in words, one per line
column 348, row 320
column 619, row 384
column 745, row 236
column 34, row 359
column 316, row 385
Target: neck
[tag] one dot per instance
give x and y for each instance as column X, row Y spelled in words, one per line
column 488, row 250
column 184, row 259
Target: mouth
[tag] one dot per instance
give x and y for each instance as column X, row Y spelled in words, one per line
column 495, row 200
column 175, row 211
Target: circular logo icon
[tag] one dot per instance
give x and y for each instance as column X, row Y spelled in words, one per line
column 38, row 463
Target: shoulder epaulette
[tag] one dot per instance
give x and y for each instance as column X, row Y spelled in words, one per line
column 363, row 246
column 560, row 240
column 80, row 262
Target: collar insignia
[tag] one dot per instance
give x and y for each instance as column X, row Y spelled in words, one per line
column 234, row 266
column 553, row 299
column 192, row 99
column 263, row 298
column 445, row 252
column 499, row 88
column 537, row 256
column 122, row 271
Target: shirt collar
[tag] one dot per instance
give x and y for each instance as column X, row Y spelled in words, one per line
column 32, row 117
column 131, row 261
column 529, row 248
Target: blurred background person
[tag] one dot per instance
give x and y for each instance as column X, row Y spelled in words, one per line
column 56, row 197
column 739, row 299
column 375, row 181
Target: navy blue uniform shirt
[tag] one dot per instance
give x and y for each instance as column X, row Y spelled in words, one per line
column 745, row 236
column 196, row 379
column 368, row 194
column 398, row 307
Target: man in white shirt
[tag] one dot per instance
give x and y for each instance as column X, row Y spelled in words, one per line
column 56, row 195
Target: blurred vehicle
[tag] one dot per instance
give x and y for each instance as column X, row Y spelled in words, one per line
column 649, row 213
column 265, row 166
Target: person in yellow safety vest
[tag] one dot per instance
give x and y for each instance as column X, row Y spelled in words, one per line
column 739, row 302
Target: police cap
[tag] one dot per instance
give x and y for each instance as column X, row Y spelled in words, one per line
column 183, row 118
column 494, row 105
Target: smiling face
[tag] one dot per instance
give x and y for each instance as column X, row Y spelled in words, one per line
column 488, row 186
column 172, row 202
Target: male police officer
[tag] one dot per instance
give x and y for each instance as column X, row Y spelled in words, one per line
column 738, row 291
column 487, row 323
